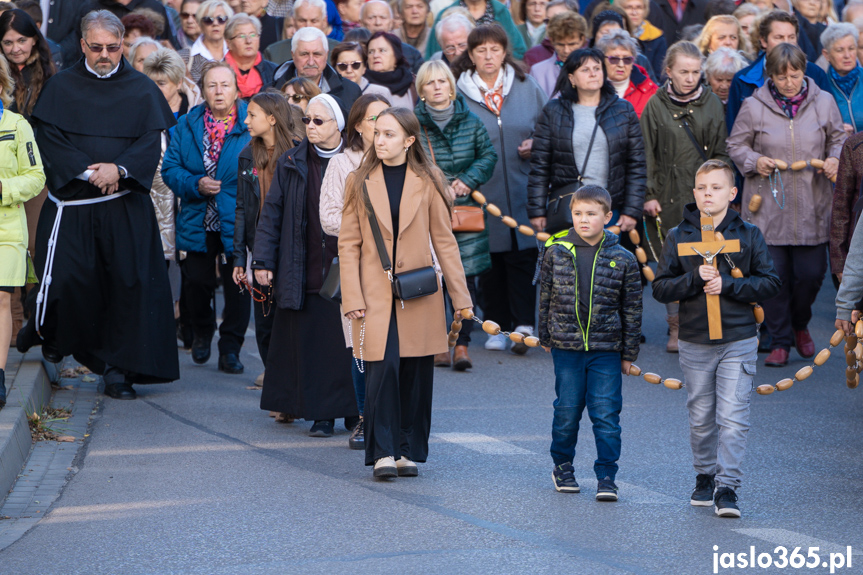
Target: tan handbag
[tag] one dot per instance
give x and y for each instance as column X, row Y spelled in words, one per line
column 464, row 218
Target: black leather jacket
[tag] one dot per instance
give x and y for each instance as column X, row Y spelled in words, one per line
column 677, row 279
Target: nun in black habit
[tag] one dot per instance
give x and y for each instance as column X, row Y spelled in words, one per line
column 104, row 296
column 308, row 372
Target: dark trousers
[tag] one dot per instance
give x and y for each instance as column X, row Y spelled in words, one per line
column 263, row 323
column 587, row 379
column 199, row 287
column 801, row 269
column 466, row 326
column 506, row 292
column 398, row 403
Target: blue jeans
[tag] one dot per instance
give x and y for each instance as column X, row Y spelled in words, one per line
column 590, row 379
column 718, row 388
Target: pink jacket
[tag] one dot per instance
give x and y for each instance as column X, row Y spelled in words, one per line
column 763, row 129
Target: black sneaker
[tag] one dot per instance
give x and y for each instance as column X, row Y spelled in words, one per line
column 725, row 503
column 322, row 428
column 606, row 490
column 702, row 495
column 358, row 437
column 564, row 478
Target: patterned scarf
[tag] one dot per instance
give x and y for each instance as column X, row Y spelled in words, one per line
column 215, row 132
column 792, row 104
column 847, row 82
column 488, row 15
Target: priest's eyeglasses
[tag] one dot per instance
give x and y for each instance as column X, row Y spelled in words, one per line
column 98, row 48
column 316, row 121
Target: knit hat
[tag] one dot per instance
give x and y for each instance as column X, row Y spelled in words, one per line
column 606, row 16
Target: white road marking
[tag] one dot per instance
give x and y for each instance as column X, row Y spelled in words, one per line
column 791, row 539
column 484, row 444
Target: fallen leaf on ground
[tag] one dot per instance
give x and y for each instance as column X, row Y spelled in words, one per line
column 68, row 387
column 66, row 438
column 254, row 387
column 88, row 379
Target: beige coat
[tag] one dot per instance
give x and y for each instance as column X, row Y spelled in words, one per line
column 365, row 286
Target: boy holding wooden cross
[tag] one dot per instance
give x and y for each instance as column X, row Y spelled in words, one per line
column 700, row 266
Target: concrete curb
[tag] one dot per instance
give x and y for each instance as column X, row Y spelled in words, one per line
column 30, row 391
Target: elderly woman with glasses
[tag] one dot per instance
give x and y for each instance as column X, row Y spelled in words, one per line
column 210, row 46
column 630, row 80
column 349, row 60
column 719, row 70
column 311, row 376
column 254, row 74
column 840, row 42
column 189, row 28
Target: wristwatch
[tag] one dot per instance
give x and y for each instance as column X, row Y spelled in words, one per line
column 122, row 171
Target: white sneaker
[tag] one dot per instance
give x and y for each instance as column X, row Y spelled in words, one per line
column 496, row 342
column 406, row 467
column 521, row 348
column 385, row 468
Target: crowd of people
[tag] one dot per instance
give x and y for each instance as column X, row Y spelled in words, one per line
column 275, row 148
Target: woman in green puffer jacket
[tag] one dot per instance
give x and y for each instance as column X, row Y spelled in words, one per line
column 457, row 141
column 21, row 178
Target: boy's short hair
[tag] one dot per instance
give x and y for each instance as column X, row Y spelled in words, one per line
column 712, row 166
column 594, row 194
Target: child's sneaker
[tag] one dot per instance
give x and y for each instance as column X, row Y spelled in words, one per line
column 496, row 342
column 725, row 503
column 606, row 490
column 702, row 495
column 521, row 348
column 564, row 478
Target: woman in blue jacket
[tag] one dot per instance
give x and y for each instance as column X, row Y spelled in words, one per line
column 843, row 74
column 200, row 166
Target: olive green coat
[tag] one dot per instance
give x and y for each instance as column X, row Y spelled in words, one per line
column 21, row 178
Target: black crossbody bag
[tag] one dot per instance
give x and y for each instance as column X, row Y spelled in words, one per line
column 406, row 285
column 558, row 215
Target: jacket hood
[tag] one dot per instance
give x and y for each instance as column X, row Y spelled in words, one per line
column 572, row 237
column 763, row 95
column 692, row 215
column 640, row 80
column 649, row 32
column 662, row 93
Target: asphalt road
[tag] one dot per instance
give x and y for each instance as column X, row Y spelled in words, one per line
column 193, row 478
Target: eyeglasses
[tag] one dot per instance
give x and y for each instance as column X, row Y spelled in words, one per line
column 617, row 60
column 246, row 37
column 98, row 48
column 186, row 15
column 298, row 98
column 343, row 66
column 316, row 121
column 450, row 50
column 208, row 20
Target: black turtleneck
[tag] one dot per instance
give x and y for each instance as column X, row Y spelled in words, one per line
column 394, row 178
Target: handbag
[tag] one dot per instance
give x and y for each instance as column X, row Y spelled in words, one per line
column 406, row 285
column 558, row 216
column 464, row 218
column 332, row 288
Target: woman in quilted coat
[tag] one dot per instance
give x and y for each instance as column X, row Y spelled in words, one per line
column 457, row 141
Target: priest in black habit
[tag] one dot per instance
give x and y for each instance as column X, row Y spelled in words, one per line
column 104, row 296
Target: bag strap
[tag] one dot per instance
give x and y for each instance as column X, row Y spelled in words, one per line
column 694, row 141
column 376, row 232
column 583, row 169
column 431, row 150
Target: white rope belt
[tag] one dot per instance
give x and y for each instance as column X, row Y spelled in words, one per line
column 42, row 298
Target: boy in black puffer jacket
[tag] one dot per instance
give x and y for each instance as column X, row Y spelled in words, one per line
column 719, row 373
column 590, row 321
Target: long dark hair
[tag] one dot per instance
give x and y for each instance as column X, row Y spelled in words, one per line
column 418, row 162
column 482, row 35
column 276, row 105
column 575, row 61
column 353, row 139
column 39, row 64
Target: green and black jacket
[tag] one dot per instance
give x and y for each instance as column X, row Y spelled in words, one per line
column 614, row 321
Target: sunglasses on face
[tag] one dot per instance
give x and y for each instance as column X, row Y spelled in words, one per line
column 316, row 121
column 208, row 20
column 186, row 15
column 297, row 98
column 97, row 48
column 617, row 60
column 343, row 66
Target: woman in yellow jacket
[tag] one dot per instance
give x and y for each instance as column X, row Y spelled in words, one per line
column 21, row 178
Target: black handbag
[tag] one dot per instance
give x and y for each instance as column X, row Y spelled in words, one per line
column 332, row 288
column 406, row 285
column 558, row 216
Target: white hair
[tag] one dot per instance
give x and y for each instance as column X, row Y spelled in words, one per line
column 102, row 20
column 618, row 38
column 309, row 34
column 209, row 7
column 452, row 23
column 142, row 41
column 314, row 3
column 238, row 20
column 848, row 6
column 724, row 61
column 835, row 32
column 370, row 2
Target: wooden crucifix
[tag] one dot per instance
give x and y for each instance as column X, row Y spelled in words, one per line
column 708, row 248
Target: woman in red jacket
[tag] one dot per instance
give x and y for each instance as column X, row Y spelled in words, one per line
column 628, row 78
